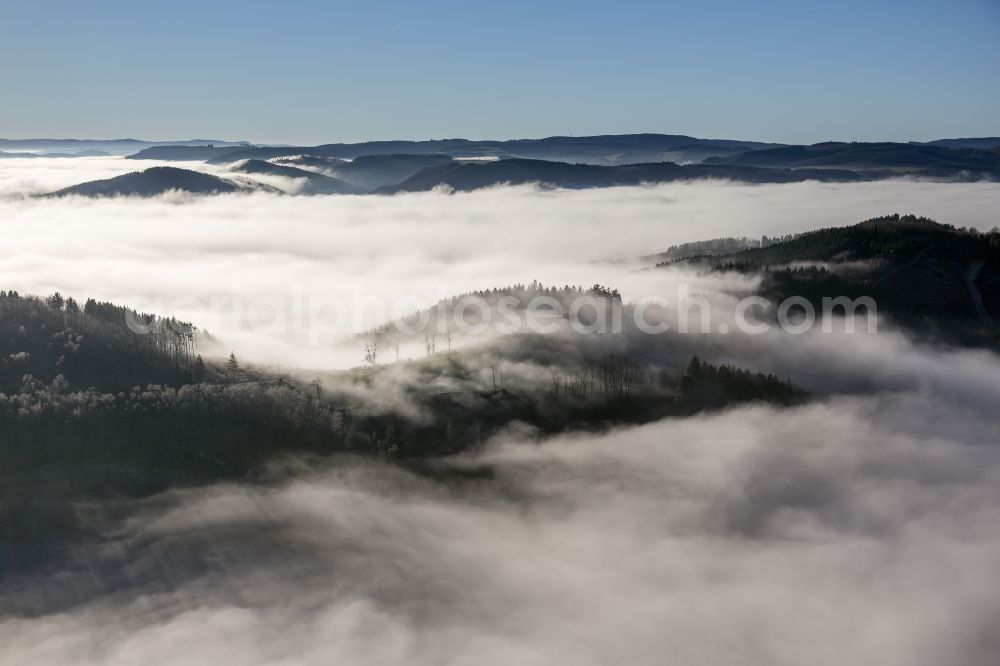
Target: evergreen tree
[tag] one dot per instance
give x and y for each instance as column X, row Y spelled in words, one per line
column 233, row 366
column 198, row 372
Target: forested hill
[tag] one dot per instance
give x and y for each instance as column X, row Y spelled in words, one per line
column 100, row 401
column 95, row 344
column 897, row 239
column 152, row 181
column 933, row 277
column 705, row 248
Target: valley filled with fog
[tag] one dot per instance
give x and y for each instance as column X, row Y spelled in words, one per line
column 283, row 279
column 846, row 516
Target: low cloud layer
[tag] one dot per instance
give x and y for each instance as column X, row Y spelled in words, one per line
column 229, row 262
column 853, row 531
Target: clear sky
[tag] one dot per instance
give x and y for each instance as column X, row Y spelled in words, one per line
column 312, row 72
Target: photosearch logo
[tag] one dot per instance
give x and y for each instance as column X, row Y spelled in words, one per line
column 533, row 309
column 754, row 314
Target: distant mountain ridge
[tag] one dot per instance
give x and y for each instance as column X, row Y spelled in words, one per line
column 951, row 159
column 470, row 176
column 386, row 167
column 913, row 158
column 79, row 153
column 608, row 149
column 972, row 142
column 119, row 147
column 183, row 153
column 605, row 149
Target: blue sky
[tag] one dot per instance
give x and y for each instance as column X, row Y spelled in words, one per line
column 312, row 72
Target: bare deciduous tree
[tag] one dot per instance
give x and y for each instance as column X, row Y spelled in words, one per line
column 371, row 351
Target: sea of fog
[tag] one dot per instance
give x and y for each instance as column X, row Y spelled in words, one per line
column 862, row 528
column 282, row 279
column 859, row 531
